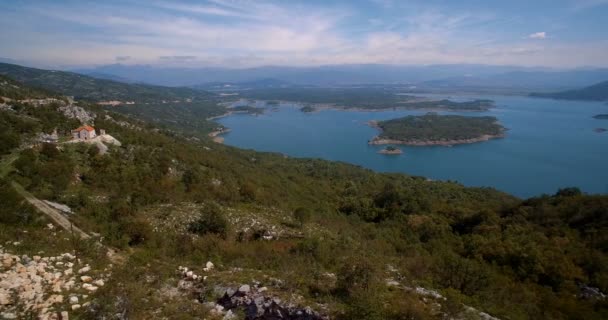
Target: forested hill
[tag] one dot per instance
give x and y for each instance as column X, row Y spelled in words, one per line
column 93, row 89
column 596, row 92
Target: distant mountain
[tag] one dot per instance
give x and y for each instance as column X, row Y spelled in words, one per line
column 596, row 92
column 268, row 83
column 106, row 76
column 318, row 75
column 435, row 76
column 93, row 89
column 529, row 80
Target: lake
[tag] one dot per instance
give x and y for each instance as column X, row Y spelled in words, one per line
column 550, row 144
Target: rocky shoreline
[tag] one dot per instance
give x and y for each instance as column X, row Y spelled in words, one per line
column 215, row 135
column 446, row 143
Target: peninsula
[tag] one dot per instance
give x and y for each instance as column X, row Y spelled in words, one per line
column 433, row 129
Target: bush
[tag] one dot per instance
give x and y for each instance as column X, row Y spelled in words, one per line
column 355, row 276
column 302, row 215
column 211, row 220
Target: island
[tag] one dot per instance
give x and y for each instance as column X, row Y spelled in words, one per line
column 307, row 109
column 390, row 150
column 600, row 130
column 601, row 116
column 434, row 129
column 365, row 99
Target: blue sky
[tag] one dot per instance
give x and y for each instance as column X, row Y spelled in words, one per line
column 240, row 33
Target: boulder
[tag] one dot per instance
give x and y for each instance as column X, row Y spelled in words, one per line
column 244, row 288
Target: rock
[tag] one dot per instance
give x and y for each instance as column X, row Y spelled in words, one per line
column 8, row 315
column 73, row 300
column 229, row 315
column 262, row 289
column 209, row 265
column 56, row 298
column 99, row 283
column 75, row 307
column 86, row 279
column 89, row 287
column 84, row 270
column 244, row 288
column 4, row 299
column 68, row 272
column 64, row 315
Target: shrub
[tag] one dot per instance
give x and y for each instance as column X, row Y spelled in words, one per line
column 211, row 220
column 302, row 215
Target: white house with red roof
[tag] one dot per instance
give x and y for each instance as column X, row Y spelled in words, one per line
column 84, row 133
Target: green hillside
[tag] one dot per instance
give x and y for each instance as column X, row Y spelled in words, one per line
column 596, row 92
column 92, row 89
column 317, row 237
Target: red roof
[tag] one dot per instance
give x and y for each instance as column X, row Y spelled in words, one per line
column 87, row 128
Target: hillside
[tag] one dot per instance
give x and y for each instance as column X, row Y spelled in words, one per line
column 190, row 229
column 596, row 92
column 95, row 90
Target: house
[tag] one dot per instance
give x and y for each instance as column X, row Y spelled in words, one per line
column 84, row 133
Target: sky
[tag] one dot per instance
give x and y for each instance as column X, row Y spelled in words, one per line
column 241, row 33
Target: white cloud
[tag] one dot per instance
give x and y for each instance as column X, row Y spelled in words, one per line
column 538, row 35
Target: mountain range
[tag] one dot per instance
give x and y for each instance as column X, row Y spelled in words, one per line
column 443, row 76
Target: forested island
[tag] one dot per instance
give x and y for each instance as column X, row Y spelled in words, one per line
column 435, row 129
column 601, row 116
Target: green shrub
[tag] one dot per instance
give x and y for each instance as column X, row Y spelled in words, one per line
column 211, row 220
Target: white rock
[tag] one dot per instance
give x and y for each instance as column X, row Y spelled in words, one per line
column 262, row 289
column 189, row 274
column 4, row 299
column 99, row 283
column 244, row 288
column 229, row 315
column 84, row 270
column 209, row 265
column 8, row 315
column 68, row 272
column 73, row 300
column 64, row 315
column 86, row 279
column 89, row 287
column 75, row 307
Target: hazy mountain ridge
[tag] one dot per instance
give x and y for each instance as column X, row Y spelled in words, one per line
column 458, row 75
column 94, row 89
column 596, row 92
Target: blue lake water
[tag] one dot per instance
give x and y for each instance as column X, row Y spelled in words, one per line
column 550, row 144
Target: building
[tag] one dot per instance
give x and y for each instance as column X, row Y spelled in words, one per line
column 84, row 133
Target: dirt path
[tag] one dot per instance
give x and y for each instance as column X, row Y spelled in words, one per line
column 52, row 213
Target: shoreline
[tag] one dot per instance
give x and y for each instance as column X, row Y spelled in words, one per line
column 215, row 135
column 445, row 143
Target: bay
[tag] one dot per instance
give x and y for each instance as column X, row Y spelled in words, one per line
column 550, row 144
